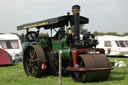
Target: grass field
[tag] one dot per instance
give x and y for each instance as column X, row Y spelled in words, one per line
column 14, row 75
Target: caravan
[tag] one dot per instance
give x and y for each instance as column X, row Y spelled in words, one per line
column 113, row 45
column 11, row 43
column 126, row 37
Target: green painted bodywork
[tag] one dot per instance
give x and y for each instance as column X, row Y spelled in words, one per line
column 43, row 42
column 65, row 53
column 61, row 45
column 57, row 45
column 64, row 43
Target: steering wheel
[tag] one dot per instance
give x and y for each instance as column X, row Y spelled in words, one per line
column 32, row 36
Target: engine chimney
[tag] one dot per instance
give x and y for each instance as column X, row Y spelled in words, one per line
column 76, row 12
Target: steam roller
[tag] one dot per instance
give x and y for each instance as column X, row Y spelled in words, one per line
column 80, row 57
column 91, row 68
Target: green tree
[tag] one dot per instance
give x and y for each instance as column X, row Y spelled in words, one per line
column 96, row 33
column 112, row 33
column 125, row 34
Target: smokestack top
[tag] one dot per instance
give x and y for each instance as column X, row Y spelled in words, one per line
column 76, row 9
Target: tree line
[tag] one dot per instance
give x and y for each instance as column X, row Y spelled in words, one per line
column 96, row 33
column 110, row 33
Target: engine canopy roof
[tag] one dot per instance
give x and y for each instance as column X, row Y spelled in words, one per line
column 53, row 22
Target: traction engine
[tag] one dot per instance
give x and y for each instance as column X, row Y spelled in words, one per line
column 80, row 57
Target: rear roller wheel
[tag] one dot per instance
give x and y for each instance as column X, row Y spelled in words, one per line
column 32, row 61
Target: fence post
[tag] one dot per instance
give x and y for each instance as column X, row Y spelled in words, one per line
column 60, row 70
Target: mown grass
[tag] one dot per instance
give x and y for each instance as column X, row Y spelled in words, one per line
column 14, row 75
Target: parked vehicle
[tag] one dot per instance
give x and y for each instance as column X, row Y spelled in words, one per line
column 80, row 58
column 11, row 43
column 113, row 45
column 126, row 37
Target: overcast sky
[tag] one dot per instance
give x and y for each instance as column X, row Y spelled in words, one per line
column 104, row 15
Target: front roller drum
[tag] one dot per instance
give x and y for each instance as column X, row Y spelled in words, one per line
column 93, row 63
column 33, row 58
